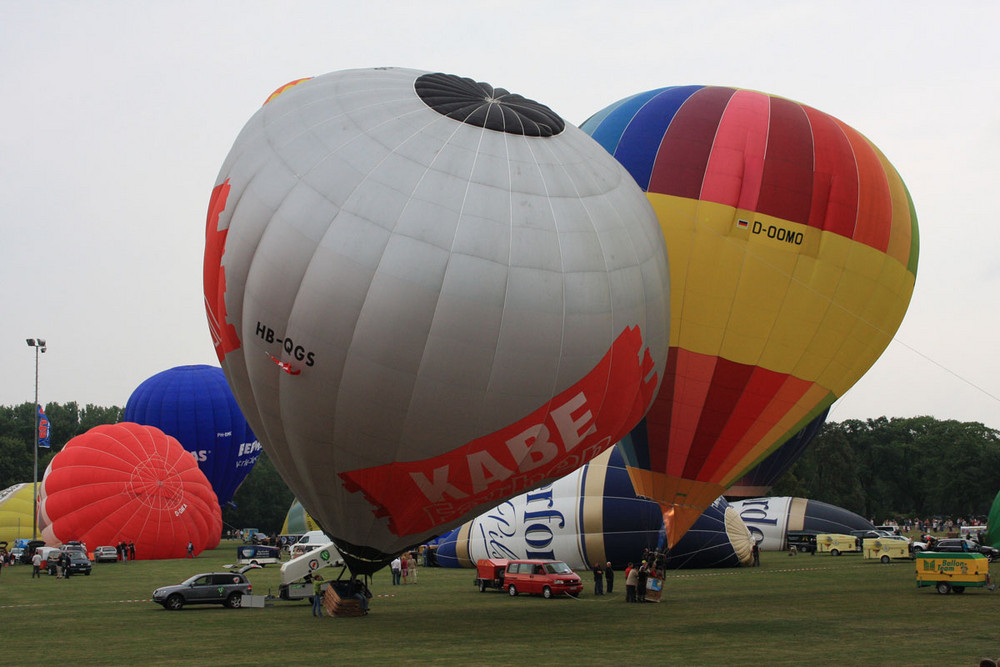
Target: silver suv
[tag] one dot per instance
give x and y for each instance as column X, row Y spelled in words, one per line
column 226, row 588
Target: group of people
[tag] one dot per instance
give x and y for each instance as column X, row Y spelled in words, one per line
column 125, row 551
column 601, row 575
column 636, row 578
column 404, row 569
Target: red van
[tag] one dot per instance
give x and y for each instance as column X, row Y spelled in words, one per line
column 541, row 577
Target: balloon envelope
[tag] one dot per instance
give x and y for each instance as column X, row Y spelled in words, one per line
column 195, row 405
column 428, row 295
column 298, row 521
column 128, row 482
column 769, row 519
column 593, row 515
column 16, row 509
column 765, row 474
column 793, row 254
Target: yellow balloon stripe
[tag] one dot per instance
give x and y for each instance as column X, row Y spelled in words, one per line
column 762, row 291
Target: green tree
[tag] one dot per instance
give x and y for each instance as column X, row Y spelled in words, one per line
column 262, row 501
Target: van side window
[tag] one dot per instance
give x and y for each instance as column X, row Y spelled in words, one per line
column 539, row 570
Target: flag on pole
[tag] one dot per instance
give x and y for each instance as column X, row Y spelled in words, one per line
column 43, row 429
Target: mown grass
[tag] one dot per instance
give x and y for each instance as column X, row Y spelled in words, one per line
column 791, row 610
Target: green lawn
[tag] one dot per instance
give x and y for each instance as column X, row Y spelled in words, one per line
column 791, row 610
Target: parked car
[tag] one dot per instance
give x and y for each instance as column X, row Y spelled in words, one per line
column 105, row 554
column 78, row 562
column 801, row 540
column 963, row 545
column 542, row 577
column 74, row 545
column 226, row 588
column 16, row 554
column 29, row 551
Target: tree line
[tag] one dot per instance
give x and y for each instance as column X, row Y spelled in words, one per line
column 916, row 467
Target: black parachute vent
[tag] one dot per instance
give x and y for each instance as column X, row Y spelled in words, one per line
column 482, row 105
column 362, row 560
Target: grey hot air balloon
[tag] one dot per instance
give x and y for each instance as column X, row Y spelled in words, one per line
column 428, row 295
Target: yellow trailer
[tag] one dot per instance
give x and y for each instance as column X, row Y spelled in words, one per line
column 953, row 571
column 836, row 544
column 885, row 549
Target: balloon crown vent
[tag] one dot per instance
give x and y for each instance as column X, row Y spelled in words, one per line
column 482, row 105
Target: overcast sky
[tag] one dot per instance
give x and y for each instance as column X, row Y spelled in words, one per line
column 116, row 117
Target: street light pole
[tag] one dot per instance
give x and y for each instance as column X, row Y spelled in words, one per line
column 39, row 345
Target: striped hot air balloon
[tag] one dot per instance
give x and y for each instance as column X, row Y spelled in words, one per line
column 793, row 254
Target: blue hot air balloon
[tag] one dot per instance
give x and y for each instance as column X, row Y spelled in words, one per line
column 195, row 405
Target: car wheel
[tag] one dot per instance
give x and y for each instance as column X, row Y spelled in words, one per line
column 834, row 552
column 943, row 587
column 174, row 602
column 884, row 559
column 546, row 592
column 234, row 600
column 958, row 589
column 511, row 590
column 482, row 586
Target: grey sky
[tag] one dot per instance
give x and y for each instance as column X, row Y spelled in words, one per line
column 117, row 115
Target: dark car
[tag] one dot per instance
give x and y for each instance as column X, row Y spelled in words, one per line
column 801, row 540
column 78, row 563
column 960, row 544
column 226, row 588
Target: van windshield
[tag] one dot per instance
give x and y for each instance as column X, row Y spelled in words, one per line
column 557, row 567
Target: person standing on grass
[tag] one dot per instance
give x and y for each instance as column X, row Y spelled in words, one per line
column 404, row 569
column 598, row 579
column 36, row 565
column 317, row 595
column 190, row 553
column 413, row 568
column 640, row 584
column 609, row 577
column 395, row 566
column 631, row 579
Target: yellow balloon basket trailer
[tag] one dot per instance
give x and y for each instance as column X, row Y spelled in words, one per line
column 953, row 572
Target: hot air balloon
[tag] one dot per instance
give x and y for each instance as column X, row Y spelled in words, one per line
column 16, row 508
column 298, row 521
column 765, row 474
column 769, row 519
column 428, row 294
column 195, row 405
column 128, row 482
column 793, row 254
column 593, row 515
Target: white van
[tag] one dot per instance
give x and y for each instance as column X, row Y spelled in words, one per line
column 309, row 541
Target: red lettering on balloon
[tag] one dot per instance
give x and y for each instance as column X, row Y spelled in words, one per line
column 223, row 334
column 575, row 426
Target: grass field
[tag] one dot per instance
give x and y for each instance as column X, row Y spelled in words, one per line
column 792, row 610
